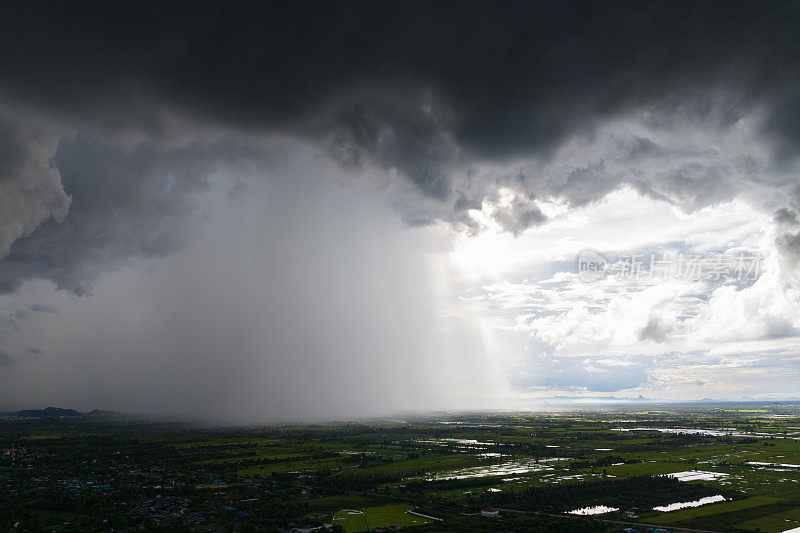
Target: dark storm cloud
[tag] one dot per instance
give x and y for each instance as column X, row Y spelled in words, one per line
column 407, row 135
column 518, row 77
column 655, row 330
column 125, row 204
column 518, row 216
column 788, row 237
column 5, row 360
column 429, row 91
column 44, row 308
column 30, row 189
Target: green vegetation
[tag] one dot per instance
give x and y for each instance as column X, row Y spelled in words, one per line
column 382, row 516
column 80, row 474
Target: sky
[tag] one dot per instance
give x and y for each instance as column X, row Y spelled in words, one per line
column 279, row 211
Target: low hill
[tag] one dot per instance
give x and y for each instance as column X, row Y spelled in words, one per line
column 49, row 412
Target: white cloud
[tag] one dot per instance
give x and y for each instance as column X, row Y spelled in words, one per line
column 618, row 334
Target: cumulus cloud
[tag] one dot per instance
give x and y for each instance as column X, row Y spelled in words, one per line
column 593, row 375
column 569, row 314
column 737, row 291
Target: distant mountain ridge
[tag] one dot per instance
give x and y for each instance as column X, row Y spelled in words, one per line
column 58, row 412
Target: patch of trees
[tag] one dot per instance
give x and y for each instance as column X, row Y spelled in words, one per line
column 366, row 459
column 599, row 462
column 420, row 487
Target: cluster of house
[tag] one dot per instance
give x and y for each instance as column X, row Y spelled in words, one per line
column 144, row 495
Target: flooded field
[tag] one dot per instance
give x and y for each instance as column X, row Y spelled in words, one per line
column 695, row 503
column 597, row 509
column 719, row 432
column 696, row 475
column 779, row 465
column 520, row 466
